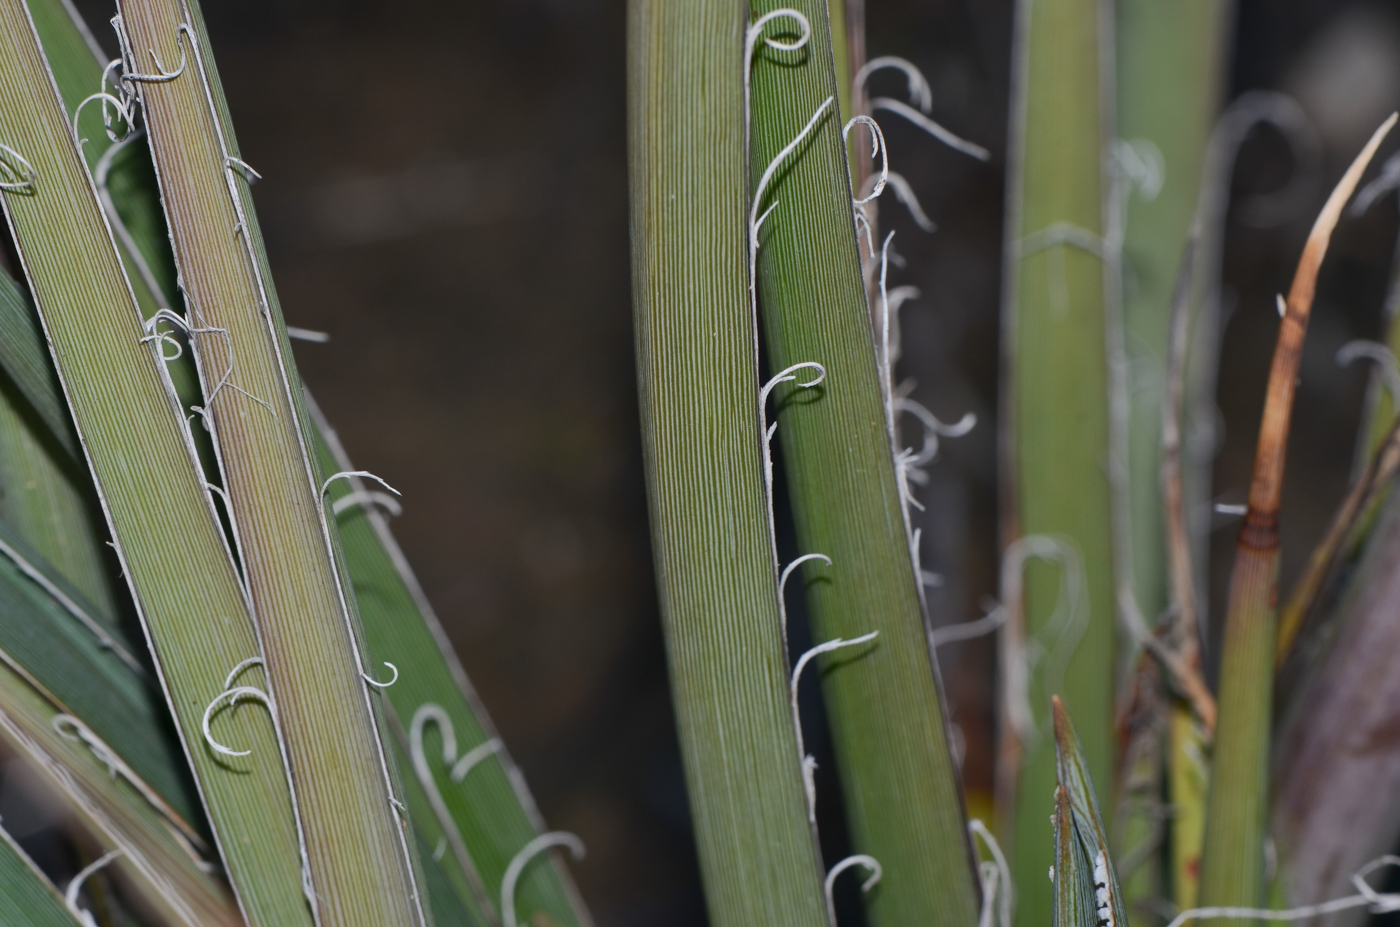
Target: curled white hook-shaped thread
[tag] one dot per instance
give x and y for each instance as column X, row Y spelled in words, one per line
column 534, row 848
column 787, row 571
column 933, row 428
column 755, row 220
column 751, row 37
column 1006, row 889
column 243, row 167
column 70, row 894
column 783, row 376
column 112, row 66
column 1384, row 360
column 967, row 630
column 905, row 194
column 107, row 100
column 243, row 664
column 161, row 75
column 382, row 685
column 932, row 128
column 877, row 146
column 864, row 229
column 367, row 498
column 231, row 697
column 920, row 94
column 1062, row 234
column 802, row 661
column 307, row 334
column 347, row 474
column 1140, row 162
column 885, row 361
column 153, row 333
column 788, row 375
column 16, row 178
column 859, row 859
column 426, row 713
column 474, row 757
column 1060, row 635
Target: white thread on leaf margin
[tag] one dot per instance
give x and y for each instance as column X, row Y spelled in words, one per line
column 232, row 697
column 996, row 879
column 877, row 147
column 1384, row 360
column 70, row 895
column 756, row 220
column 802, row 662
column 534, row 848
column 905, row 194
column 967, row 630
column 430, row 712
column 1056, row 641
column 474, row 757
column 920, row 94
column 859, row 859
column 346, row 474
column 782, row 583
column 107, row 100
column 367, row 498
column 382, row 685
column 1365, row 896
column 788, row 375
column 237, row 670
column 931, row 127
column 19, row 177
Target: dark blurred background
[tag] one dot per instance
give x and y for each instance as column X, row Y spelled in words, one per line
column 445, row 194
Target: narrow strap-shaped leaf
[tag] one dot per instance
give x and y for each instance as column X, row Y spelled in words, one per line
column 903, row 797
column 27, row 898
column 161, row 517
column 447, row 906
column 698, row 390
column 397, row 608
column 47, row 644
column 340, row 770
column 26, row 360
column 1232, row 859
column 488, row 806
column 126, row 185
column 1072, row 875
column 165, row 871
column 1077, row 789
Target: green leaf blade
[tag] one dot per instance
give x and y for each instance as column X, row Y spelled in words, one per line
column 155, row 500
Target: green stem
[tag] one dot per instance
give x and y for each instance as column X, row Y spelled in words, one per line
column 1058, row 416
